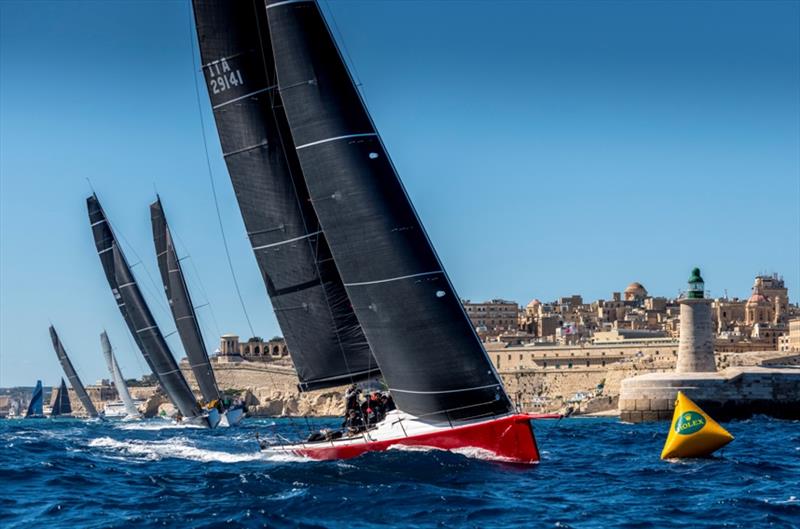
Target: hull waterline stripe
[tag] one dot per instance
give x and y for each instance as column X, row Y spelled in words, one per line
column 393, row 279
column 306, row 236
column 445, row 391
column 235, row 99
column 276, row 4
column 363, row 135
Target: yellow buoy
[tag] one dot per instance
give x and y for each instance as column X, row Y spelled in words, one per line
column 693, row 432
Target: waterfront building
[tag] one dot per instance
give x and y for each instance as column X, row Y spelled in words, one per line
column 254, row 350
column 494, row 317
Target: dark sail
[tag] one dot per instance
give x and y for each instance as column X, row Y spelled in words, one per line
column 36, row 405
column 425, row 345
column 137, row 315
column 322, row 333
column 181, row 304
column 61, row 404
column 72, row 376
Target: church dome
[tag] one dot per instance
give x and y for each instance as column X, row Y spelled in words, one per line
column 758, row 299
column 635, row 287
column 534, row 303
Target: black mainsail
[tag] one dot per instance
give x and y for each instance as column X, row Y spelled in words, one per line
column 323, row 335
column 180, row 304
column 137, row 315
column 61, row 403
column 72, row 376
column 428, row 352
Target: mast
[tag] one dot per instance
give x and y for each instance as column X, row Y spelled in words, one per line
column 428, row 352
column 36, row 405
column 72, row 376
column 180, row 304
column 322, row 333
column 116, row 376
column 137, row 314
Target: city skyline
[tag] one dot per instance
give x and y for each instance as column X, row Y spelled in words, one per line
column 546, row 156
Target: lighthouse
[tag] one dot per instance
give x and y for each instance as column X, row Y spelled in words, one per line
column 696, row 347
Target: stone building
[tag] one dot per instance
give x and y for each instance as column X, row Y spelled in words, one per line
column 494, row 317
column 255, row 349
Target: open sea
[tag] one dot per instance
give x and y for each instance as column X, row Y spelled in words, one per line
column 594, row 473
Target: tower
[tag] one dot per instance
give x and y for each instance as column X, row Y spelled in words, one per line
column 696, row 347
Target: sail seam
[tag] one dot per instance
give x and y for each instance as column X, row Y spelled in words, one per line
column 306, row 236
column 106, row 250
column 98, row 222
column 496, row 385
column 276, row 4
column 335, row 138
column 146, row 329
column 235, row 99
column 392, row 279
column 245, row 149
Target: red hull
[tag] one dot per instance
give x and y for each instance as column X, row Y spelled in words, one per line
column 508, row 439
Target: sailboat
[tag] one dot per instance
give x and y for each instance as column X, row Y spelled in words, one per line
column 125, row 407
column 36, row 405
column 61, row 405
column 141, row 323
column 180, row 304
column 69, row 370
column 284, row 102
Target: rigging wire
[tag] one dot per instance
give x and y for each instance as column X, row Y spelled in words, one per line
column 211, row 175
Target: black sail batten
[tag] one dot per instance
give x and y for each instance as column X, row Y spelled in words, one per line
column 180, row 304
column 427, row 350
column 137, row 314
column 322, row 333
column 72, row 376
column 61, row 403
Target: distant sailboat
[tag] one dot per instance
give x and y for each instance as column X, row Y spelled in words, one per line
column 280, row 57
column 36, row 406
column 180, row 304
column 69, row 370
column 61, row 405
column 128, row 408
column 140, row 321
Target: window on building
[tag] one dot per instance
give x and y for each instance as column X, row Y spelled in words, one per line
column 569, row 365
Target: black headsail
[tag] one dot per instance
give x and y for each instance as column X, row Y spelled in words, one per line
column 69, row 370
column 180, row 303
column 61, row 403
column 137, row 315
column 426, row 347
column 323, row 335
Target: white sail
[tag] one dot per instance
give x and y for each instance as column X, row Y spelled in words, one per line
column 116, row 376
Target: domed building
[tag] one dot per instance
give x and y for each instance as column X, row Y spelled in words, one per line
column 758, row 308
column 635, row 292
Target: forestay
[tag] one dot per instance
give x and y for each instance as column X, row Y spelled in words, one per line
column 412, row 317
column 72, row 376
column 323, row 335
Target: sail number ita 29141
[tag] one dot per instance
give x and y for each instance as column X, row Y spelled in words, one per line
column 222, row 77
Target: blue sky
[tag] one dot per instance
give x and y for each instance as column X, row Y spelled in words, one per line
column 550, row 148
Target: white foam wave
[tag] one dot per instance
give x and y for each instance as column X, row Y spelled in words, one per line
column 466, row 451
column 156, row 426
column 181, row 448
